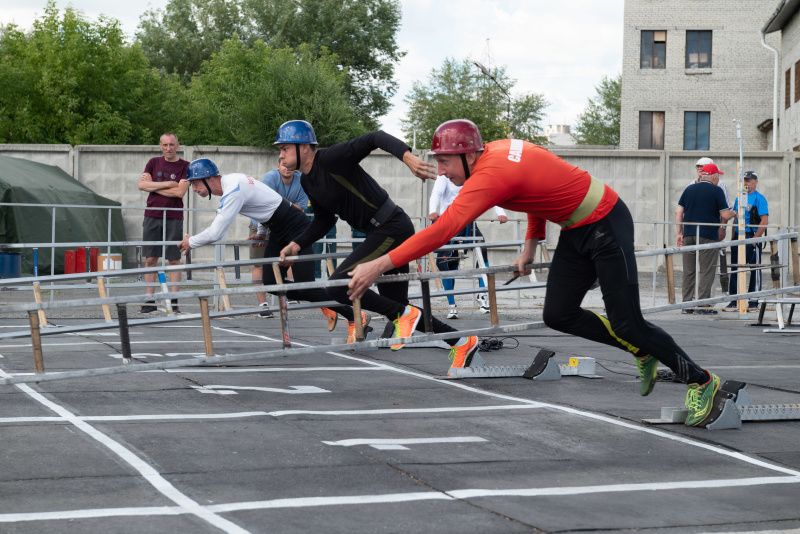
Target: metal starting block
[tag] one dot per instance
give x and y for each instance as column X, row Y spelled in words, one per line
column 543, row 367
column 732, row 406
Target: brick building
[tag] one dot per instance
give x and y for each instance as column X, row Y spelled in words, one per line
column 689, row 68
column 785, row 24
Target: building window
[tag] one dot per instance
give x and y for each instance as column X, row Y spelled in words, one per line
column 651, row 130
column 698, row 49
column 654, row 49
column 788, row 84
column 695, row 130
column 797, row 81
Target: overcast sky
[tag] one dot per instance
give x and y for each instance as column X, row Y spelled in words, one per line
column 561, row 49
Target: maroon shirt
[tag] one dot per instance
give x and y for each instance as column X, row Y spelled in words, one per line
column 165, row 171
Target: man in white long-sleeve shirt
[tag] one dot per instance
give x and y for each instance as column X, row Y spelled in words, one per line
column 443, row 194
column 243, row 195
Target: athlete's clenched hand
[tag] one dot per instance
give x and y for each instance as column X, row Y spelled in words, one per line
column 365, row 274
column 292, row 249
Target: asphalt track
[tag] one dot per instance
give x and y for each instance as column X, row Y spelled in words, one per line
column 375, row 441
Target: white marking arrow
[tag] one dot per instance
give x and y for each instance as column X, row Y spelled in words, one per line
column 397, row 444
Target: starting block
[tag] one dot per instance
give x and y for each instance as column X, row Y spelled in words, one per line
column 544, row 367
column 732, row 406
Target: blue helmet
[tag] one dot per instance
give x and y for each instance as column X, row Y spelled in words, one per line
column 200, row 169
column 297, row 133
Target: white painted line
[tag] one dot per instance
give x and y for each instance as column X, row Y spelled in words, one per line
column 262, row 369
column 380, row 443
column 143, row 468
column 389, row 498
column 239, row 415
column 92, row 514
column 31, row 420
column 304, row 502
column 390, row 447
column 624, row 488
column 403, row 410
column 151, row 342
column 293, row 390
column 174, row 417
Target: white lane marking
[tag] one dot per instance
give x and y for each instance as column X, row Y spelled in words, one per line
column 349, row 500
column 303, row 502
column 92, row 513
column 293, row 390
column 262, row 369
column 236, row 415
column 153, row 342
column 396, row 444
column 157, row 355
column 143, row 468
column 31, row 420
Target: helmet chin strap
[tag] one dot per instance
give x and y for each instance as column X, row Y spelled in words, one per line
column 208, row 188
column 466, row 167
column 297, row 151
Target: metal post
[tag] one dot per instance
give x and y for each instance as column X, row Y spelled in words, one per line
column 426, row 306
column 164, row 238
column 206, row 321
column 53, row 252
column 237, row 270
column 35, row 262
column 188, row 262
column 36, row 341
column 697, row 264
column 655, row 260
column 124, row 334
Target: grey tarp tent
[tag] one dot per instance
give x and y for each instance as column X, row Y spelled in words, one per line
column 28, row 182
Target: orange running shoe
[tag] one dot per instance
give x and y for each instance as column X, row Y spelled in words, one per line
column 351, row 327
column 461, row 354
column 405, row 325
column 331, row 316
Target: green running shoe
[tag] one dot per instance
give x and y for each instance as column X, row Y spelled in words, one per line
column 700, row 399
column 647, row 366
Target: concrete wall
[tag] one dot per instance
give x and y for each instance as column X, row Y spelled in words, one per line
column 649, row 181
column 739, row 83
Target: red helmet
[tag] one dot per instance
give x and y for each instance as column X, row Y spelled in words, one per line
column 456, row 137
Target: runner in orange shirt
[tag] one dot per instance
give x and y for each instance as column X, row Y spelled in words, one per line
column 596, row 243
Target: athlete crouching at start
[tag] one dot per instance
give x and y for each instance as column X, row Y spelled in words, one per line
column 336, row 184
column 241, row 194
column 596, row 242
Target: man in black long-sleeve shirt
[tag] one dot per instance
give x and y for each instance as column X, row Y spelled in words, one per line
column 337, row 185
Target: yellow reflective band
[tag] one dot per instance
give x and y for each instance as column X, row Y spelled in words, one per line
column 589, row 203
column 624, row 343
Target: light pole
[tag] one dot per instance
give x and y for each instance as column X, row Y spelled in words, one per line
column 489, row 75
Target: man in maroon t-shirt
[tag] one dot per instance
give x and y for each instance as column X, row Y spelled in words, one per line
column 165, row 179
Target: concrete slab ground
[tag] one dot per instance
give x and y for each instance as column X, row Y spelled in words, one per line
column 375, row 441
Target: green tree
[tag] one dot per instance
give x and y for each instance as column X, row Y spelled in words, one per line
column 599, row 122
column 244, row 93
column 458, row 91
column 70, row 80
column 360, row 32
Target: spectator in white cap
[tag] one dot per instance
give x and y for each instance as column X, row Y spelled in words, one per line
column 723, row 263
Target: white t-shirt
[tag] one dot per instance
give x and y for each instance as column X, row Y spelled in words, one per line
column 445, row 192
column 241, row 195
